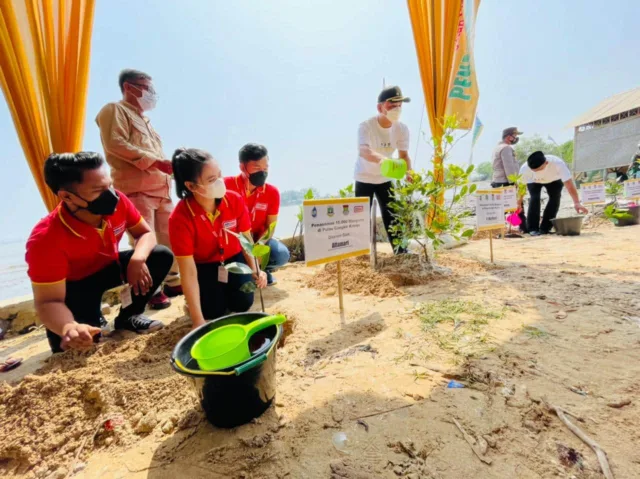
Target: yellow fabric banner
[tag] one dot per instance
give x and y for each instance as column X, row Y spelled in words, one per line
column 434, row 24
column 45, row 47
column 463, row 94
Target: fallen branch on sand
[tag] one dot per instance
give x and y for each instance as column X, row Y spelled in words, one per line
column 471, row 442
column 382, row 412
column 600, row 454
column 74, row 461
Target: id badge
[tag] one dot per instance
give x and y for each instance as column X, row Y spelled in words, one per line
column 223, row 274
column 125, row 296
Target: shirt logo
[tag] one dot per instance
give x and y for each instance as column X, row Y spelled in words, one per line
column 118, row 230
column 229, row 224
column 261, row 206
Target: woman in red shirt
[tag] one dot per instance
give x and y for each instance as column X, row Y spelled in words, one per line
column 200, row 229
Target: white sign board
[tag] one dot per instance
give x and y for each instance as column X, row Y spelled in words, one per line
column 593, row 193
column 510, row 198
column 489, row 209
column 335, row 229
column 632, row 189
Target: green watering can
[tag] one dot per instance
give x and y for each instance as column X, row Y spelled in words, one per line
column 229, row 345
column 395, row 168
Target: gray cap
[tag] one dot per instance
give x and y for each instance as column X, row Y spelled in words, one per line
column 513, row 131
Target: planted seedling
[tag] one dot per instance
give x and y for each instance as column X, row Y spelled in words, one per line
column 260, row 253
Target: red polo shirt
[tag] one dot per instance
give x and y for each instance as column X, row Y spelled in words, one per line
column 261, row 202
column 61, row 247
column 198, row 233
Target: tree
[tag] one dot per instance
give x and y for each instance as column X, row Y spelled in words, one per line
column 526, row 146
column 566, row 152
column 414, row 201
column 484, row 170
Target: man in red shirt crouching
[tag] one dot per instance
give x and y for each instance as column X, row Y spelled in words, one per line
column 262, row 200
column 73, row 258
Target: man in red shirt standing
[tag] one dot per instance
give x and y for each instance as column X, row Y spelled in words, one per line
column 73, row 258
column 262, row 200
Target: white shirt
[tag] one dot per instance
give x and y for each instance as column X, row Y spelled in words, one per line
column 384, row 141
column 555, row 170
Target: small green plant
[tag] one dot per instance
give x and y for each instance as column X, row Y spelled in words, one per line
column 347, row 191
column 615, row 214
column 414, row 200
column 613, row 188
column 297, row 242
column 459, row 326
column 259, row 251
column 534, row 332
column 521, row 186
column 612, row 211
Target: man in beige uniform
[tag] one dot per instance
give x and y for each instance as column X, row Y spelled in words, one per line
column 138, row 166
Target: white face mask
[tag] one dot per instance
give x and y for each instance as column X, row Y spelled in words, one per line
column 215, row 190
column 394, row 115
column 148, row 100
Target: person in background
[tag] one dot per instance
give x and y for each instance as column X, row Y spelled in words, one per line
column 504, row 158
column 378, row 138
column 262, row 200
column 505, row 165
column 633, row 172
column 552, row 173
column 139, row 169
column 72, row 255
column 203, row 229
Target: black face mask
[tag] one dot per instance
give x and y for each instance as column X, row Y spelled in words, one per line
column 103, row 205
column 259, row 178
column 515, row 140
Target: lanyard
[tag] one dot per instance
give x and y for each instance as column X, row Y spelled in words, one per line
column 217, row 234
column 108, row 231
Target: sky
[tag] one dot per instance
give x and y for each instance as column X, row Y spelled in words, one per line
column 299, row 77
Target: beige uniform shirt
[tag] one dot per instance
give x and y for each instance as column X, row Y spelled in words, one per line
column 504, row 163
column 131, row 146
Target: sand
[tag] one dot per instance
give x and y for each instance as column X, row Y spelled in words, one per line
column 554, row 320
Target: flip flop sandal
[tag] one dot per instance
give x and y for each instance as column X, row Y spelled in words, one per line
column 10, row 364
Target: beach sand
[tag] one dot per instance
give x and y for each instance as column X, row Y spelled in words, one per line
column 554, row 320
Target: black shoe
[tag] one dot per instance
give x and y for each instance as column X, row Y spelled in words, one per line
column 534, row 233
column 139, row 323
column 542, row 232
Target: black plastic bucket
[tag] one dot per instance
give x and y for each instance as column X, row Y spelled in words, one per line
column 236, row 395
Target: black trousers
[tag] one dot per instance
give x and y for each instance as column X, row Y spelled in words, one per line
column 216, row 298
column 554, row 190
column 521, row 215
column 384, row 196
column 84, row 297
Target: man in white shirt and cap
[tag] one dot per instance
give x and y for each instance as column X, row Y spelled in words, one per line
column 378, row 138
column 552, row 173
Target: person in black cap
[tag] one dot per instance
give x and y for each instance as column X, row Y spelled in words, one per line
column 552, row 173
column 378, row 138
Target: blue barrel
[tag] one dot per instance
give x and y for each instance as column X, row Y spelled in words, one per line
column 236, row 395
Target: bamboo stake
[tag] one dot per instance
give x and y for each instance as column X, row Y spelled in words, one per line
column 340, row 286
